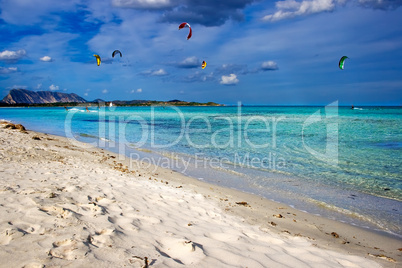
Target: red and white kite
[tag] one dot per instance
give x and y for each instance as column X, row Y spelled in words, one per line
column 185, row 24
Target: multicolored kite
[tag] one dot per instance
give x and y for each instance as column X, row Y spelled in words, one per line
column 204, row 64
column 342, row 62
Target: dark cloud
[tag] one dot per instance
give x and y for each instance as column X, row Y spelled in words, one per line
column 146, row 4
column 188, row 63
column 205, row 12
column 269, row 66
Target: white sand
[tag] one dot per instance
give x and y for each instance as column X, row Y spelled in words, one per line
column 61, row 205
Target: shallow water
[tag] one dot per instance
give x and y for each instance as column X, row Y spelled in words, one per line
column 333, row 161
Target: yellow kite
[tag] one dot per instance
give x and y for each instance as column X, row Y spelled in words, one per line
column 98, row 59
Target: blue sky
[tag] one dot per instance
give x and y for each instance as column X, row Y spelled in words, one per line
column 257, row 52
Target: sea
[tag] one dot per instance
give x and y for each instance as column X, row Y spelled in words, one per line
column 341, row 163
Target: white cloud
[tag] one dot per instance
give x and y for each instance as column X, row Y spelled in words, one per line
column 288, row 4
column 4, row 70
column 138, row 90
column 269, row 66
column 53, row 87
column 39, row 86
column 8, row 55
column 159, row 72
column 105, row 91
column 229, row 80
column 46, row 59
column 86, row 94
column 291, row 8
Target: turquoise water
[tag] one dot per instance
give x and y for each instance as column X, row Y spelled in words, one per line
column 333, row 161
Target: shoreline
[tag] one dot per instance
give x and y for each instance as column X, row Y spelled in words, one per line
column 312, row 206
column 259, row 214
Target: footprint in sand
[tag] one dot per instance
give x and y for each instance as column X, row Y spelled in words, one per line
column 68, row 249
column 17, row 230
column 101, row 238
column 92, row 209
column 6, row 236
column 27, row 228
column 56, row 211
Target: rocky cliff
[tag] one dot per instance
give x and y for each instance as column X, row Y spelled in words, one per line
column 17, row 96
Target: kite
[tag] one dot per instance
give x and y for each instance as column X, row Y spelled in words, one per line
column 98, row 59
column 342, row 62
column 204, row 64
column 185, row 24
column 115, row 52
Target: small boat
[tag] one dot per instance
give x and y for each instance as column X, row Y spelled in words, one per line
column 111, row 104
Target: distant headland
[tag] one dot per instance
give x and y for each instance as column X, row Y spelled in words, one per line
column 23, row 97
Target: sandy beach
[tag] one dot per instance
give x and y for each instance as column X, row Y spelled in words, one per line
column 66, row 205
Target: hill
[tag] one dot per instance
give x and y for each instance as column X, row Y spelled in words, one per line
column 23, row 96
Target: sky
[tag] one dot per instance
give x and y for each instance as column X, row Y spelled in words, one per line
column 258, row 52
